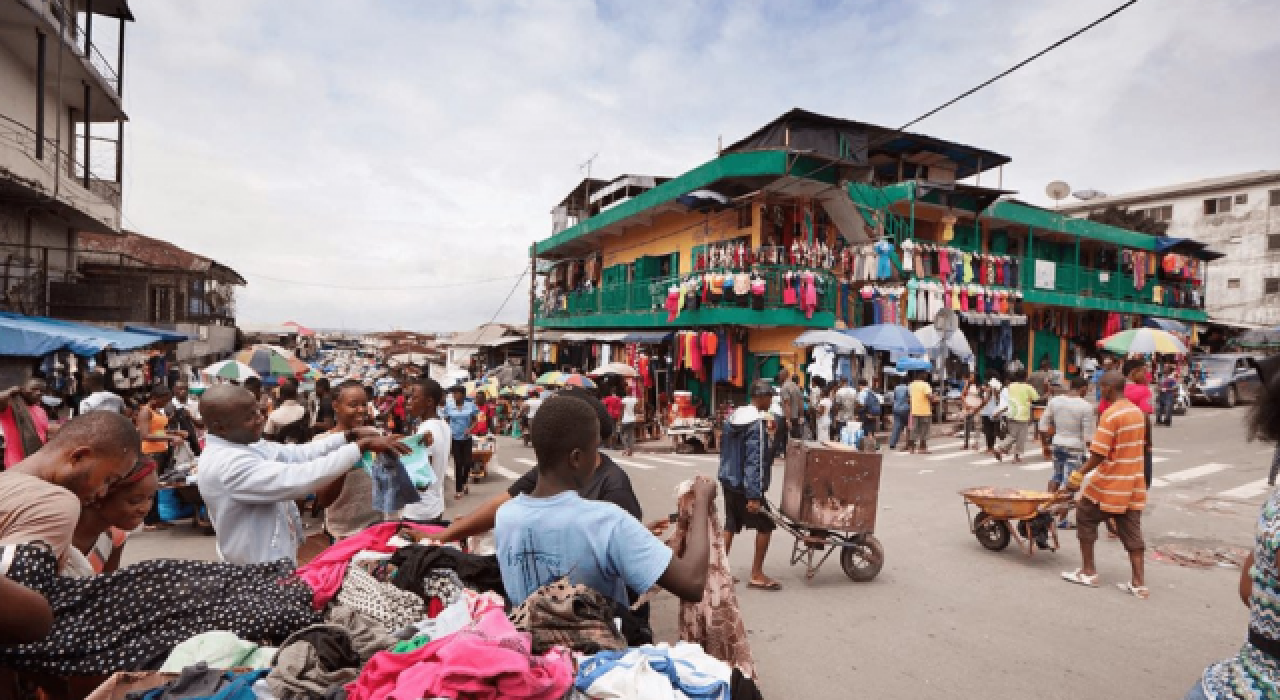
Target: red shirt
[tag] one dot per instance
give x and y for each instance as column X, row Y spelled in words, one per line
column 12, row 439
column 613, row 405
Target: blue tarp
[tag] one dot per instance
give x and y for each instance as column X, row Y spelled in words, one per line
column 163, row 333
column 34, row 336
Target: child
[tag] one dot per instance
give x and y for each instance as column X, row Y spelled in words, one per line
column 553, row 532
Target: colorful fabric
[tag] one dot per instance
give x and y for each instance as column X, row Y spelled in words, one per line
column 1118, row 484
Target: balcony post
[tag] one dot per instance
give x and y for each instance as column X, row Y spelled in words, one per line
column 86, row 135
column 120, row 62
column 88, row 29
column 40, row 80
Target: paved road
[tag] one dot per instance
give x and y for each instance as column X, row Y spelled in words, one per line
column 948, row 619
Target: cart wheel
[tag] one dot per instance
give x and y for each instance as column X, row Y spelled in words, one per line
column 863, row 560
column 992, row 533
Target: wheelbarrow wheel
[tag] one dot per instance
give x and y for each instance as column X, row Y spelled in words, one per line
column 863, row 560
column 992, row 533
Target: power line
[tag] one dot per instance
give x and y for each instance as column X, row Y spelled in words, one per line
column 325, row 285
column 514, row 287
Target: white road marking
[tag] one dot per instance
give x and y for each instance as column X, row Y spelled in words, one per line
column 1156, row 459
column 1036, row 466
column 950, row 455
column 1189, row 474
column 1249, row 490
column 662, row 460
column 629, row 463
column 503, row 471
column 947, row 445
column 1166, row 449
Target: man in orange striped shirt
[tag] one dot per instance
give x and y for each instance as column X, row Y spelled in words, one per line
column 1117, row 490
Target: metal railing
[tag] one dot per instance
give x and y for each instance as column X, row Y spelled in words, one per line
column 78, row 39
column 23, row 138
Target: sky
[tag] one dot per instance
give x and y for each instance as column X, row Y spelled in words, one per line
column 376, row 165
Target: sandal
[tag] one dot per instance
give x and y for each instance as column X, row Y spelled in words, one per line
column 1078, row 577
column 1139, row 592
column 770, row 586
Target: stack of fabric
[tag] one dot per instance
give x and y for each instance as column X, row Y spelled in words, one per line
column 374, row 616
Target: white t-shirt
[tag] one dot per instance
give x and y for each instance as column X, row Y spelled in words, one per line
column 432, row 504
column 629, row 409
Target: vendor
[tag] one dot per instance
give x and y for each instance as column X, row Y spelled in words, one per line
column 250, row 485
column 41, row 496
column 348, row 500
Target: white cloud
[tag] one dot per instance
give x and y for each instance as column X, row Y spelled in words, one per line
column 424, row 143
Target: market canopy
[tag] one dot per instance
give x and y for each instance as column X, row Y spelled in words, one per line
column 162, row 333
column 843, row 343
column 36, row 336
column 888, row 337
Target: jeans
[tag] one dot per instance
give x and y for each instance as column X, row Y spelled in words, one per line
column 989, row 431
column 461, row 450
column 1016, row 443
column 628, row 433
column 1065, row 461
column 899, row 425
column 1164, row 408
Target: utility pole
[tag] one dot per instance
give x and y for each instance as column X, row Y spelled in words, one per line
column 533, row 285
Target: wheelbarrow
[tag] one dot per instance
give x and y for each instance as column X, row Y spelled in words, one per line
column 482, row 450
column 829, row 499
column 1032, row 514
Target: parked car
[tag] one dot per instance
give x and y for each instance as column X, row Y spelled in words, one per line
column 1224, row 379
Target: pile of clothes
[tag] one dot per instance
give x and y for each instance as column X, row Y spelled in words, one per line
column 380, row 614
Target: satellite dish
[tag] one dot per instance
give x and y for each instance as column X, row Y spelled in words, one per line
column 1086, row 195
column 1057, row 190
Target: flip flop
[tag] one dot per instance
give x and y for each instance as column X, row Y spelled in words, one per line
column 1139, row 592
column 1080, row 578
column 770, row 586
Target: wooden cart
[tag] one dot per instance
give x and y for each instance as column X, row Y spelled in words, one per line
column 482, row 450
column 829, row 498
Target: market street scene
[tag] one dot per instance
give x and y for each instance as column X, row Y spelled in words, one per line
column 611, row 350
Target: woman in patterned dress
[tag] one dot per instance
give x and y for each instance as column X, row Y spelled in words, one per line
column 1255, row 671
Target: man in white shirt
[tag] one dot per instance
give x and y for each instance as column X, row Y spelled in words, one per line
column 287, row 415
column 250, row 485
column 423, row 405
column 99, row 399
column 628, row 422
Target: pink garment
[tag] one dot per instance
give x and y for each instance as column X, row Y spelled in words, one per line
column 488, row 659
column 673, row 305
column 809, row 296
column 12, row 438
column 1139, row 395
column 325, row 573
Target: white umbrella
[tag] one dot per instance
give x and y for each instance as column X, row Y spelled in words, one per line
column 841, row 342
column 619, row 368
column 229, row 369
column 957, row 344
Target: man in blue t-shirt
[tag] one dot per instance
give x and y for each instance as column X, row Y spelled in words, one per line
column 460, row 412
column 553, row 532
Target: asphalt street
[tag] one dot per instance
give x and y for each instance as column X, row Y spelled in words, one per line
column 947, row 618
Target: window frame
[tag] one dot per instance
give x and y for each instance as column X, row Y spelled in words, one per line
column 1233, row 283
column 1217, row 204
column 1271, row 285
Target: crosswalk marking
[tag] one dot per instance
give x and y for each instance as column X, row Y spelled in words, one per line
column 1246, row 491
column 663, row 460
column 1189, row 474
column 503, row 471
column 631, row 463
column 1035, row 466
column 1166, row 449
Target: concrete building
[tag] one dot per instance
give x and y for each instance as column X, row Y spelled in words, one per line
column 61, row 128
column 1238, row 216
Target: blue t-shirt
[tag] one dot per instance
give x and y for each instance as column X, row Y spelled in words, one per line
column 594, row 543
column 884, row 268
column 460, row 418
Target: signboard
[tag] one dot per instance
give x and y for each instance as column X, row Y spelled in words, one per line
column 1104, row 277
column 1046, row 274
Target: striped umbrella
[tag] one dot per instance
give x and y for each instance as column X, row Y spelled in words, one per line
column 229, row 369
column 576, row 379
column 552, row 379
column 266, row 360
column 1143, row 341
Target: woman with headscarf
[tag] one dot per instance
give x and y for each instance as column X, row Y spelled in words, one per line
column 105, row 525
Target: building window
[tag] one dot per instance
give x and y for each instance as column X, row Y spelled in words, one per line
column 1164, row 213
column 744, row 216
column 1242, row 198
column 1275, row 198
column 1233, row 283
column 1273, row 285
column 1219, row 205
column 1273, row 241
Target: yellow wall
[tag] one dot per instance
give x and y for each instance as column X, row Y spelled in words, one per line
column 673, row 232
column 777, row 341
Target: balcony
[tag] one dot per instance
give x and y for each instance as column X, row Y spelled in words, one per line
column 52, row 171
column 641, row 304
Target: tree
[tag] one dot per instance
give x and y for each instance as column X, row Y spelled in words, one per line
column 1120, row 217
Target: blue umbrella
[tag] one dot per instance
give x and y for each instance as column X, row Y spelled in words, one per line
column 889, row 337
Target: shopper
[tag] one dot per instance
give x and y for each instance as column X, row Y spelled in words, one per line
column 628, row 424
column 1168, row 391
column 746, row 463
column 1070, row 419
column 23, row 421
column 1021, row 396
column 461, row 414
column 901, row 414
column 922, row 400
column 995, row 398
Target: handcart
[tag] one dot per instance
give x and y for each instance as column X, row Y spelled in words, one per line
column 829, row 498
column 1032, row 513
column 482, row 450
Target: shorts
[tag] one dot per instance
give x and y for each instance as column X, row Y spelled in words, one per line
column 920, row 428
column 1128, row 524
column 736, row 516
column 1065, row 461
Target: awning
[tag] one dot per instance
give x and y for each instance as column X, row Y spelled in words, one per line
column 35, row 336
column 594, row 337
column 647, row 337
column 163, row 334
column 499, row 342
